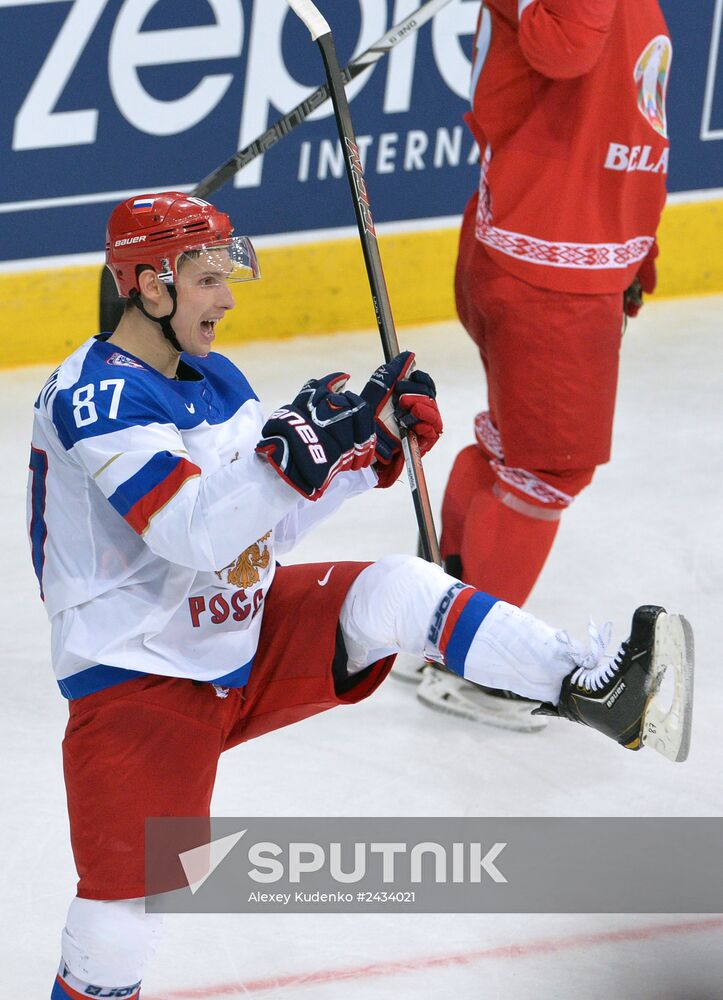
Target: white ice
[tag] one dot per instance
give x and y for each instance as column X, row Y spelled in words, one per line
column 649, row 529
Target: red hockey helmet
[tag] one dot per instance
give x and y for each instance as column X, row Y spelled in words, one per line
column 156, row 230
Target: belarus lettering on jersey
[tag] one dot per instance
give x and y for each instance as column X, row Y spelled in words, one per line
column 622, row 157
column 153, row 525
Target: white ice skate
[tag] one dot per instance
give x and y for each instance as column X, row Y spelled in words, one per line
column 446, row 692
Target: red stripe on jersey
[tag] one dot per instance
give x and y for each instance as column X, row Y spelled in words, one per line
column 140, row 514
column 458, row 606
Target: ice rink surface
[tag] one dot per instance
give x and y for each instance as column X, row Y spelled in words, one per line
column 649, row 530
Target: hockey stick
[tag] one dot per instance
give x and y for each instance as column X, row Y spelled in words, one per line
column 321, row 34
column 111, row 306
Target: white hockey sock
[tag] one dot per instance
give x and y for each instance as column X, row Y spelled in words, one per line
column 405, row 604
column 498, row 645
column 107, row 943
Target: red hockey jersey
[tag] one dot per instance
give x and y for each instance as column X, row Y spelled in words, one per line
column 568, row 107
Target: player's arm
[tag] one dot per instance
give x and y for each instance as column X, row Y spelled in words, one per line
column 134, row 454
column 306, row 516
column 563, row 39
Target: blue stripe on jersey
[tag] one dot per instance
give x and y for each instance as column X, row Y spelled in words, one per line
column 102, row 676
column 146, row 479
column 237, row 678
column 38, row 527
column 230, row 385
column 146, row 396
column 465, row 630
column 94, row 679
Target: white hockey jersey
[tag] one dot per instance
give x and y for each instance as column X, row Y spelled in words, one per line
column 154, row 526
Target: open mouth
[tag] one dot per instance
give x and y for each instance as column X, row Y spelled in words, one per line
column 208, row 326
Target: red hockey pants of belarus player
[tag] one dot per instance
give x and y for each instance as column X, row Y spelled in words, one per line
column 551, row 361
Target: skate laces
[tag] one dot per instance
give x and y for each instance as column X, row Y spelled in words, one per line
column 595, row 666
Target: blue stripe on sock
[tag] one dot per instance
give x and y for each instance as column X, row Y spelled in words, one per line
column 477, row 609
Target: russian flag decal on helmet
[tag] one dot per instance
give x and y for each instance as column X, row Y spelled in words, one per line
column 143, row 205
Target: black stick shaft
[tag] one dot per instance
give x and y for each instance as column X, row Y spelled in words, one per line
column 377, row 284
column 218, row 177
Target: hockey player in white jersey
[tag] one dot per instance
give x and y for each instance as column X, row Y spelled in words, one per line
column 159, row 500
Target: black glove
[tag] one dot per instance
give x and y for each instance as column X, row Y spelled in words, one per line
column 397, row 394
column 324, row 431
column 644, row 282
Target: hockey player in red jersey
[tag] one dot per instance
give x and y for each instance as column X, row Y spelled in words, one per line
column 159, row 499
column 568, row 109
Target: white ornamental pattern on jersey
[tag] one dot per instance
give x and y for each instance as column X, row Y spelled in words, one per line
column 584, row 256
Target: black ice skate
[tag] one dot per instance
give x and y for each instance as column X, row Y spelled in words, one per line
column 642, row 697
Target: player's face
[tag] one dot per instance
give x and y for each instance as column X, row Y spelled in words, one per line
column 203, row 299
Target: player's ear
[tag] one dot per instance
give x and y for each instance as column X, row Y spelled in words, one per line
column 149, row 286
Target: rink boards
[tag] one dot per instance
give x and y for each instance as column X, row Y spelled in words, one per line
column 112, row 98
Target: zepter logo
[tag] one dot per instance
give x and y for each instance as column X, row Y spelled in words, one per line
column 651, row 75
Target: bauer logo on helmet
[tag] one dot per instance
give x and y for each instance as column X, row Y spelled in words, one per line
column 131, row 239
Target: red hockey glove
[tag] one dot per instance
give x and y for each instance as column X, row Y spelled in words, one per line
column 323, row 432
column 644, row 282
column 397, row 394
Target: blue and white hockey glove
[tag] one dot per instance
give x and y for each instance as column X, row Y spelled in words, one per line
column 324, row 431
column 397, row 394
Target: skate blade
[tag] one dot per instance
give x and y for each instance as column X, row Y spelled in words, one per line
column 408, row 669
column 454, row 696
column 668, row 716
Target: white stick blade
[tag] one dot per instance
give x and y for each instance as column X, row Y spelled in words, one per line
column 311, row 16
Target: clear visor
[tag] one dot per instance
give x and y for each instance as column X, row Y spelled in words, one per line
column 218, row 263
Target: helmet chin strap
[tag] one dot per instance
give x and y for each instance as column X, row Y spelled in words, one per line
column 163, row 321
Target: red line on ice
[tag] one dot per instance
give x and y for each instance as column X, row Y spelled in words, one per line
column 529, row 948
